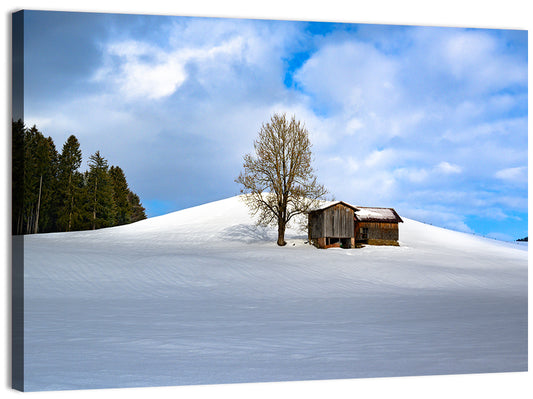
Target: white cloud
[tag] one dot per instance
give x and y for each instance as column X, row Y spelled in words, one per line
column 42, row 122
column 513, row 175
column 152, row 81
column 349, row 75
column 496, row 214
column 349, row 164
column 414, row 175
column 516, row 202
column 380, row 158
column 474, row 61
column 353, row 126
column 464, row 50
column 448, row 168
column 501, row 129
column 147, row 71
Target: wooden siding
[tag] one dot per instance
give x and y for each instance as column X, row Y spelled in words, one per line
column 377, row 231
column 339, row 222
column 336, row 221
column 315, row 229
column 337, row 225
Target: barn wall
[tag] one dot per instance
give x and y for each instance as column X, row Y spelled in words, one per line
column 338, row 222
column 315, row 225
column 378, row 231
column 332, row 227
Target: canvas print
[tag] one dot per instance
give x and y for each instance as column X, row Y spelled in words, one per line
column 215, row 200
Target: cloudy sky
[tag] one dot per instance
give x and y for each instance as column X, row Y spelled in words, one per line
column 431, row 121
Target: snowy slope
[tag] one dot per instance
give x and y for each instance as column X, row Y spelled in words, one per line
column 205, row 296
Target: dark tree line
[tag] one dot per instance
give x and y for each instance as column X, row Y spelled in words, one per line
column 50, row 194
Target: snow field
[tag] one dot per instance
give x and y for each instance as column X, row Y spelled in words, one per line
column 204, row 296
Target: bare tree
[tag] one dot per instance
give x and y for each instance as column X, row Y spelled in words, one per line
column 278, row 181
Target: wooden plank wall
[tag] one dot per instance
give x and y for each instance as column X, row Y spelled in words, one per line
column 316, row 225
column 338, row 222
column 378, row 231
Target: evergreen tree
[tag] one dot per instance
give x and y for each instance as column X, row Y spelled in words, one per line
column 50, row 198
column 137, row 210
column 83, row 204
column 100, row 193
column 70, row 185
column 38, row 178
column 120, row 196
column 17, row 175
column 50, row 194
column 31, row 181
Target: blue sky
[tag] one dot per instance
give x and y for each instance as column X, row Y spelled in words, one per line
column 429, row 120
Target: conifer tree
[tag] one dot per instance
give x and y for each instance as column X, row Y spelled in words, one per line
column 137, row 210
column 38, row 178
column 31, row 179
column 50, row 198
column 100, row 193
column 50, row 194
column 70, row 182
column 82, row 217
column 120, row 195
column 17, row 175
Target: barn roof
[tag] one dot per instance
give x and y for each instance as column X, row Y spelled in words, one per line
column 366, row 214
column 329, row 204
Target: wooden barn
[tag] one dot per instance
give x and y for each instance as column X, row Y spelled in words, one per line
column 339, row 224
column 377, row 226
column 332, row 225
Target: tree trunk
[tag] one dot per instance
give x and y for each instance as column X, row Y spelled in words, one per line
column 281, row 232
column 28, row 221
column 20, row 224
column 70, row 213
column 36, row 229
column 94, row 207
column 70, row 190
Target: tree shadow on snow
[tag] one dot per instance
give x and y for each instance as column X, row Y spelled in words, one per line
column 248, row 233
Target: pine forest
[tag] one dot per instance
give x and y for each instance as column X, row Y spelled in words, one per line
column 51, row 194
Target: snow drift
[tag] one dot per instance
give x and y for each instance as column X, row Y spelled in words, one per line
column 205, row 296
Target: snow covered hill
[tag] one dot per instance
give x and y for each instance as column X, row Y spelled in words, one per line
column 205, row 296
